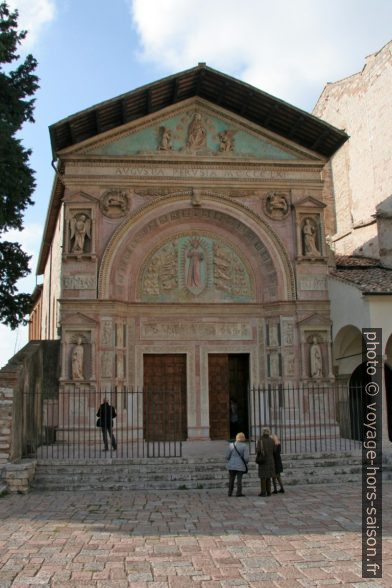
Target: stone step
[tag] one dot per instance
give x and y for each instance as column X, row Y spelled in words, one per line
column 188, row 473
column 150, row 466
column 118, row 477
column 252, row 483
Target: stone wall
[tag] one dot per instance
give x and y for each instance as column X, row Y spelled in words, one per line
column 6, row 406
column 362, row 174
column 32, row 373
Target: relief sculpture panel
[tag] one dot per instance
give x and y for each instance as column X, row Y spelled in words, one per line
column 196, row 267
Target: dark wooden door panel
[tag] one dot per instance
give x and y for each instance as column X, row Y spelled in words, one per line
column 218, row 380
column 164, row 407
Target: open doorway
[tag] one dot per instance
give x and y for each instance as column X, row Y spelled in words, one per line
column 228, row 377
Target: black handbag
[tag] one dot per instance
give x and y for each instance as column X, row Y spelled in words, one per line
column 260, row 455
column 99, row 422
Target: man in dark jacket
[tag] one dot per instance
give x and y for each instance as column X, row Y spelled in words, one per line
column 106, row 414
column 265, row 458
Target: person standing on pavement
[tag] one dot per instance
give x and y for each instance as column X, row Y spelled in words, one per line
column 237, row 456
column 278, row 464
column 265, row 459
column 106, row 413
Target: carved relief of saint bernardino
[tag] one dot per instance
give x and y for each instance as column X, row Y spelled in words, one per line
column 195, row 281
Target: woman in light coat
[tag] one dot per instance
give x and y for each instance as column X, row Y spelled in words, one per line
column 237, row 456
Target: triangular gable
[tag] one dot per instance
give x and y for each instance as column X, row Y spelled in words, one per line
column 314, row 320
column 225, row 136
column 78, row 319
column 309, row 202
column 81, row 197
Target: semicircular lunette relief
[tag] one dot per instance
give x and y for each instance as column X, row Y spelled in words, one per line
column 195, row 268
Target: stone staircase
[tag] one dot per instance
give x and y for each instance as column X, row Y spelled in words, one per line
column 187, row 473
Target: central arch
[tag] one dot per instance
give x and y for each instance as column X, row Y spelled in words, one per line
column 218, row 216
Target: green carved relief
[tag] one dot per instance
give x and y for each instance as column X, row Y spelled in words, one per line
column 195, row 133
column 195, row 268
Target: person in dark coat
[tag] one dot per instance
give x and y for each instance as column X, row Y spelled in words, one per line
column 266, row 446
column 106, row 413
column 278, row 465
column 237, row 456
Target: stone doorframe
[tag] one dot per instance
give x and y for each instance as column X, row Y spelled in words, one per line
column 197, row 377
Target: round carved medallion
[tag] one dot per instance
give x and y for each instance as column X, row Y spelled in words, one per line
column 115, row 204
column 276, row 205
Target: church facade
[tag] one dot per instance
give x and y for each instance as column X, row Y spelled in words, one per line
column 185, row 247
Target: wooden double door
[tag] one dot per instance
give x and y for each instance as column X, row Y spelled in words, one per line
column 228, row 378
column 164, row 397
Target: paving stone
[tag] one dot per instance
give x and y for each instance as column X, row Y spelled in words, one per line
column 165, row 539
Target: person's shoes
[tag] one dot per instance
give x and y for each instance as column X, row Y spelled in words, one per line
column 281, row 490
column 106, row 449
column 229, row 494
column 114, row 447
column 263, row 494
column 275, row 492
column 239, row 495
column 268, row 493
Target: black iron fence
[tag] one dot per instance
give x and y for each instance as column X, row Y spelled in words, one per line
column 83, row 423
column 151, row 423
column 308, row 418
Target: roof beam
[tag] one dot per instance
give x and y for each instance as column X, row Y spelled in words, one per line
column 222, row 92
column 176, row 87
column 199, row 81
column 245, row 103
column 148, row 100
column 320, row 138
column 296, row 126
column 123, row 111
column 272, row 111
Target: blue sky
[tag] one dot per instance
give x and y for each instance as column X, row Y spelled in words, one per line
column 92, row 50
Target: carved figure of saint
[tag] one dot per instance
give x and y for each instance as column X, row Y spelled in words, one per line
column 316, row 360
column 310, row 233
column 197, row 134
column 77, row 360
column 193, row 279
column 165, row 144
column 80, row 228
column 226, row 141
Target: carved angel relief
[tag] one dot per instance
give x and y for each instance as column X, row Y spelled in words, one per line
column 165, row 139
column 226, row 141
column 161, row 274
column 79, row 233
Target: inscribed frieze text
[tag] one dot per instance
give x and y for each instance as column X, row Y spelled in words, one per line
column 210, row 331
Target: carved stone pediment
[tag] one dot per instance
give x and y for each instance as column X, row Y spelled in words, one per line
column 78, row 319
column 195, row 128
column 80, row 197
column 315, row 320
column 309, row 202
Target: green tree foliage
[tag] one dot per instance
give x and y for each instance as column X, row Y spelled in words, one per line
column 16, row 177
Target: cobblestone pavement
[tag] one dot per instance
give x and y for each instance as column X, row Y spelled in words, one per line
column 310, row 536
